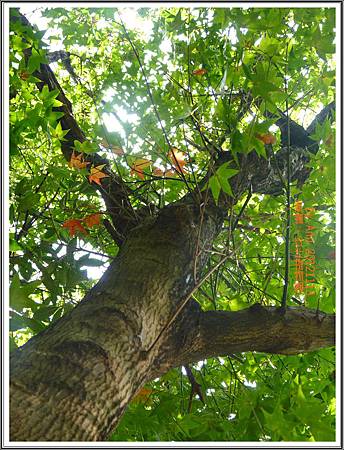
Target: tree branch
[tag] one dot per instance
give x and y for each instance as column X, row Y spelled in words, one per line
column 262, row 329
column 299, row 137
column 113, row 190
column 327, row 112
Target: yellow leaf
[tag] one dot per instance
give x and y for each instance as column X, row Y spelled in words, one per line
column 170, row 173
column 117, row 150
column 266, row 138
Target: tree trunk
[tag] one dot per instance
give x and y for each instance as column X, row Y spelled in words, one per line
column 83, row 370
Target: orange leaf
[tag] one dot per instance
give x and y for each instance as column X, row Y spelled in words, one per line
column 298, row 286
column 199, row 72
column 97, row 174
column 267, row 138
column 177, row 159
column 77, row 161
column 92, row 220
column 73, row 226
column 138, row 166
column 142, row 395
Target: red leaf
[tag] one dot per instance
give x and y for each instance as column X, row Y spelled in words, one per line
column 92, row 220
column 77, row 161
column 74, row 225
column 199, row 72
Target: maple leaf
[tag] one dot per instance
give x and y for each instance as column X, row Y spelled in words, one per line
column 97, row 174
column 74, row 225
column 177, row 159
column 77, row 161
column 138, row 166
column 267, row 138
column 92, row 220
column 199, row 72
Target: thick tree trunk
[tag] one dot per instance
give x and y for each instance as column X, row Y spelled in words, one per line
column 78, row 376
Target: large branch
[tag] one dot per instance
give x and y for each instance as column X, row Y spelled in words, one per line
column 201, row 335
column 113, row 190
column 327, row 112
column 294, row 133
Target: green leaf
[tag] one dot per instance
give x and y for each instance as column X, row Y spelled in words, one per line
column 29, row 201
column 92, row 262
column 224, row 173
column 59, row 133
column 215, row 187
column 19, row 293
column 259, row 147
column 35, row 61
column 220, row 181
column 85, row 147
column 14, row 246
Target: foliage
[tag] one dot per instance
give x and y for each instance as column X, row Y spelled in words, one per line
column 157, row 106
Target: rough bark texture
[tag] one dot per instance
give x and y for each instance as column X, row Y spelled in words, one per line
column 73, row 381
